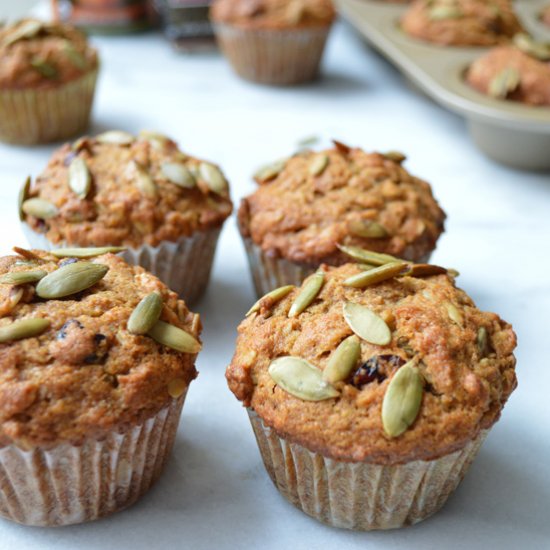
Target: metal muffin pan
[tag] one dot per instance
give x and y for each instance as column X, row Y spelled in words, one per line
column 509, row 132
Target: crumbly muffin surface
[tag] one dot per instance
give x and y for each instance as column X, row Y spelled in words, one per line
column 86, row 375
column 461, row 22
column 131, row 200
column 465, row 388
column 303, row 216
column 37, row 54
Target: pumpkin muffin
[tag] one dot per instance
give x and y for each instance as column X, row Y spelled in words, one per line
column 307, row 206
column 96, row 357
column 371, row 389
column 273, row 41
column 167, row 208
column 47, row 81
column 518, row 72
column 461, row 22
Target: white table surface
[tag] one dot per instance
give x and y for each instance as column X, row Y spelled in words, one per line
column 215, row 492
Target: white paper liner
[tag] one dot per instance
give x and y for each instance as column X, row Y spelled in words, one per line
column 72, row 484
column 359, row 495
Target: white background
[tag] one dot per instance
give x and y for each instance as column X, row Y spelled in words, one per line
column 215, row 492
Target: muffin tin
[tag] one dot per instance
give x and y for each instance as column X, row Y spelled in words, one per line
column 509, row 132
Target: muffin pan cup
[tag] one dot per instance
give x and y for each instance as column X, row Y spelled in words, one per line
column 509, row 132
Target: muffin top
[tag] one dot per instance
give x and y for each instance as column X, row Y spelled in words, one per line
column 401, row 370
column 518, row 72
column 72, row 366
column 273, row 14
column 36, row 54
column 461, row 22
column 309, row 204
column 116, row 189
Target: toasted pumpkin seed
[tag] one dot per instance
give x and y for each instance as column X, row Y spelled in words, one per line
column 22, row 197
column 90, row 252
column 80, row 178
column 307, row 294
column 39, row 208
column 145, row 314
column 178, row 173
column 396, row 156
column 368, row 229
column 27, row 29
column 482, row 341
column 318, row 164
column 22, row 277
column 70, row 279
column 402, row 399
column 213, row 177
column 269, row 171
column 366, row 324
column 46, row 69
column 454, row 314
column 25, row 328
column 341, row 147
column 441, row 12
column 74, row 56
column 538, row 50
column 301, row 379
column 177, row 387
column 343, row 360
column 174, row 337
column 151, row 135
column 504, row 83
column 376, row 275
column 116, row 137
column 453, row 273
column 274, row 296
column 144, row 182
column 423, row 270
column 367, row 256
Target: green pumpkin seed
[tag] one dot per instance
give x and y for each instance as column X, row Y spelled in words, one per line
column 144, row 182
column 504, row 83
column 307, row 294
column 174, row 337
column 80, row 179
column 178, row 173
column 22, row 277
column 46, row 69
column 368, row 257
column 454, row 314
column 27, row 29
column 368, row 229
column 538, row 50
column 39, row 208
column 145, row 314
column 367, row 324
column 273, row 296
column 25, row 328
column 396, row 156
column 301, row 379
column 269, row 171
column 375, row 275
column 343, row 360
column 213, row 177
column 318, row 165
column 453, row 273
column 423, row 270
column 90, row 252
column 482, row 341
column 402, row 399
column 442, row 12
column 75, row 57
column 116, row 137
column 308, row 141
column 22, row 197
column 176, row 387
column 70, row 279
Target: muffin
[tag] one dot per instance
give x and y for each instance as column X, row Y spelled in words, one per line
column 545, row 15
column 277, row 42
column 461, row 22
column 47, row 81
column 142, row 193
column 370, row 390
column 518, row 72
column 308, row 206
column 96, row 357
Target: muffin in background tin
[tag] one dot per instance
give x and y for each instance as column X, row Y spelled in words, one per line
column 96, row 358
column 370, row 391
column 142, row 193
column 308, row 206
column 48, row 74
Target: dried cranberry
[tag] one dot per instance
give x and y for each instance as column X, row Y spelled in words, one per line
column 376, row 368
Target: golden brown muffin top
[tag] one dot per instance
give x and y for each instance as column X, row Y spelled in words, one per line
column 462, row 22
column 36, row 54
column 309, row 204
column 116, row 189
column 85, row 373
column 462, row 358
column 273, row 14
column 519, row 72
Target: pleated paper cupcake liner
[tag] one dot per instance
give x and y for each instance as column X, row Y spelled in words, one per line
column 360, row 495
column 184, row 266
column 73, row 484
column 280, row 57
column 30, row 116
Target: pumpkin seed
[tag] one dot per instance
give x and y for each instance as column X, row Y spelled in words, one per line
column 396, row 156
column 376, row 275
column 343, row 360
column 441, row 12
column 23, row 195
column 150, row 135
column 25, row 328
column 454, row 314
column 80, row 179
column 402, row 400
column 538, row 50
column 213, row 178
column 269, row 171
column 116, row 137
column 144, row 182
column 178, row 173
column 174, row 337
column 367, row 324
column 70, row 279
column 504, row 83
column 318, row 164
column 177, row 387
column 46, row 69
column 368, row 229
column 307, row 294
column 22, row 277
column 341, row 147
column 482, row 341
column 453, row 273
column 90, row 252
column 308, row 141
column 27, row 29
column 367, row 256
column 75, row 57
column 145, row 314
column 273, row 296
column 39, row 208
column 301, row 379
column 15, row 295
column 423, row 270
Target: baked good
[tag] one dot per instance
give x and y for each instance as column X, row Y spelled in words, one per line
column 273, row 41
column 370, row 391
column 518, row 72
column 309, row 205
column 167, row 208
column 461, row 22
column 96, row 358
column 48, row 73
column 545, row 15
